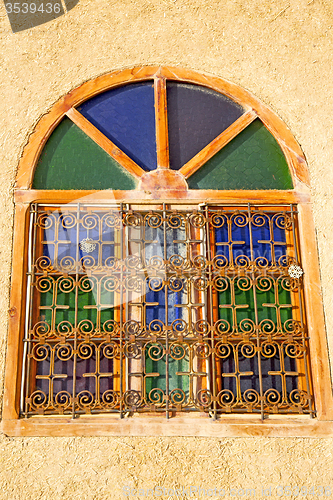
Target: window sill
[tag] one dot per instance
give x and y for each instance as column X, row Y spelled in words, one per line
column 198, row 425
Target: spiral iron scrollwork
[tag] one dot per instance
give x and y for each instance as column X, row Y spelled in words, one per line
column 165, row 309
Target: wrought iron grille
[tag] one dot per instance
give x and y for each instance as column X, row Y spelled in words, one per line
column 165, row 309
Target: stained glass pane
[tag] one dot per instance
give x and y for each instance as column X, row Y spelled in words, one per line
column 126, row 116
column 196, row 115
column 71, row 160
column 252, row 160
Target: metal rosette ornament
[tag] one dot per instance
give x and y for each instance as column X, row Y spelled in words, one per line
column 87, row 245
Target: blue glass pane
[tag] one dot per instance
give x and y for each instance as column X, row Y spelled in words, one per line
column 167, row 306
column 157, row 309
column 232, row 240
column 126, row 116
column 82, row 383
column 196, row 115
column 155, row 247
column 60, row 238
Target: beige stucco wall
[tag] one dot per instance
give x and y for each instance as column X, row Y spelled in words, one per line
column 286, row 61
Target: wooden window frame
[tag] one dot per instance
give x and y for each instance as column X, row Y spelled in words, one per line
column 170, row 186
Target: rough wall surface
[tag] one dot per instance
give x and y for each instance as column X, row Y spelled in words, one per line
column 279, row 50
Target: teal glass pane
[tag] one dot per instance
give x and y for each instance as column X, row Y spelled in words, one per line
column 71, row 160
column 252, row 160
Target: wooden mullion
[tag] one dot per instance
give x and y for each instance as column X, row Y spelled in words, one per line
column 117, row 311
column 161, row 120
column 215, row 314
column 109, row 147
column 217, row 144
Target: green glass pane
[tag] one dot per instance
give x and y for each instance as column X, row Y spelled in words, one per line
column 64, row 309
column 244, row 305
column 175, row 381
column 252, row 160
column 71, row 160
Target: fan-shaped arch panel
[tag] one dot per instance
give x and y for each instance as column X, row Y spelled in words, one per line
column 123, row 134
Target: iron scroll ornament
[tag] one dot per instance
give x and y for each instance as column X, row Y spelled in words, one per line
column 165, row 311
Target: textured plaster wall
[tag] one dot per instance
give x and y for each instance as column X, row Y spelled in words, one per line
column 281, row 50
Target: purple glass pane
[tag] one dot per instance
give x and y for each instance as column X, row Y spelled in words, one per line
column 196, row 115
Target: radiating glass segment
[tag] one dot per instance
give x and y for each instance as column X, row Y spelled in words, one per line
column 71, row 160
column 196, row 115
column 126, row 116
column 252, row 160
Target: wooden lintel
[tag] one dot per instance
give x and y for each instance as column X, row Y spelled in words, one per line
column 191, row 196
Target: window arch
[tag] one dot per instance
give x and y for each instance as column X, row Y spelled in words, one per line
column 162, row 262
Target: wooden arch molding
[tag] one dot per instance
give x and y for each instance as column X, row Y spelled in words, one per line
column 165, row 178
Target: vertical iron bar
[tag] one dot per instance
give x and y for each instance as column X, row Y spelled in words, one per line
column 121, row 310
column 205, row 293
column 255, row 303
column 292, row 211
column 76, row 305
column 142, row 368
column 126, row 231
column 211, row 312
column 166, row 316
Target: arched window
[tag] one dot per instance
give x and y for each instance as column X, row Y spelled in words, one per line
column 164, row 258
